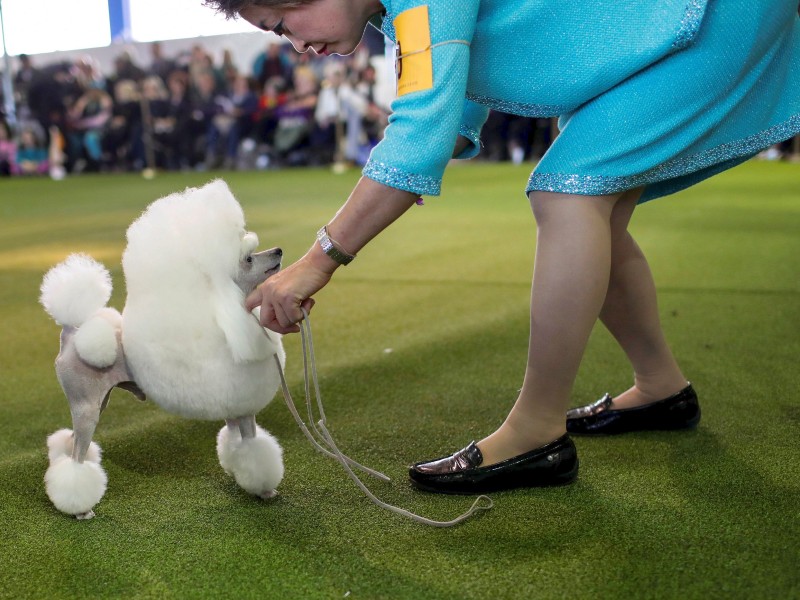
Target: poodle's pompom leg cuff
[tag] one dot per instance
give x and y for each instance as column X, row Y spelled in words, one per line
column 61, row 444
column 75, row 488
column 256, row 463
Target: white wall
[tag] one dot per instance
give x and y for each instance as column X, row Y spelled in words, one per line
column 244, row 47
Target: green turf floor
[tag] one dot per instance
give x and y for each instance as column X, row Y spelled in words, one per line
column 421, row 346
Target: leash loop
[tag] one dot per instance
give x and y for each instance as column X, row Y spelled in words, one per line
column 330, row 448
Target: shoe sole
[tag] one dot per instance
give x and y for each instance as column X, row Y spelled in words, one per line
column 678, row 427
column 560, row 481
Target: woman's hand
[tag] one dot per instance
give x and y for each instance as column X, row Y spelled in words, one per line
column 282, row 296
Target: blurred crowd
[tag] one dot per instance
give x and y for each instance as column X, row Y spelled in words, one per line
column 186, row 112
column 189, row 113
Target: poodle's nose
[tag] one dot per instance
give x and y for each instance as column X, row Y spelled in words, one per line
column 278, row 251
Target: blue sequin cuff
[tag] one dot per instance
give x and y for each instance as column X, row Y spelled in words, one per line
column 402, row 180
column 690, row 24
column 598, row 185
column 387, row 27
column 474, row 136
column 519, row 108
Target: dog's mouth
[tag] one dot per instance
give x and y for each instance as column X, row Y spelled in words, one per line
column 273, row 270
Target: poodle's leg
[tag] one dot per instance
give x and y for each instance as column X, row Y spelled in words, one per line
column 251, row 455
column 85, row 416
column 75, row 481
column 248, row 427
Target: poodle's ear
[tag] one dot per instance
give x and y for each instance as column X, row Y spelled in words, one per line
column 245, row 337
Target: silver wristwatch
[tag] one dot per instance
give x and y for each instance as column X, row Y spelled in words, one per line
column 328, row 247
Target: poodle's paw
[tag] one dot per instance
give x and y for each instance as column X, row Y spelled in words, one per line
column 75, row 488
column 85, row 516
column 255, row 463
column 60, row 444
column 268, row 495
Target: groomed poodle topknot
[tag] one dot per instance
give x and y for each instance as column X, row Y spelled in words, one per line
column 183, row 340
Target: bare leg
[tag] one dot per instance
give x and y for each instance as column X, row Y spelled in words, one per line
column 630, row 313
column 571, row 276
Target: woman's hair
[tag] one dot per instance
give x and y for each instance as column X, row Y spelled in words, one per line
column 232, row 8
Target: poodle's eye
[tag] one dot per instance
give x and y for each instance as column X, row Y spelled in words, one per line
column 249, row 259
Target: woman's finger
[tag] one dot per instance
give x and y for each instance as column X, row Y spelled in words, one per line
column 308, row 304
column 254, row 299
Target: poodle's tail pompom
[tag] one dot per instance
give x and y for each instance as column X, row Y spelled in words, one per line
column 75, row 488
column 75, row 289
column 59, row 444
column 255, row 463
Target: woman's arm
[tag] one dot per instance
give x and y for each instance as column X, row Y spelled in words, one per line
column 370, row 209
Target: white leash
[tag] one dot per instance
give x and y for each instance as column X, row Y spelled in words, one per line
column 332, row 449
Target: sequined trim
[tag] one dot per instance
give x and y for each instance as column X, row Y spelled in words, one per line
column 597, row 185
column 474, row 136
column 402, row 180
column 388, row 27
column 690, row 24
column 519, row 108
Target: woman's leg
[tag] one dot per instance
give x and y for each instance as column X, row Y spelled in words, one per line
column 570, row 281
column 630, row 313
column 587, row 265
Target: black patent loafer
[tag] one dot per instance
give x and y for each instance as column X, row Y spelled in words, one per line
column 679, row 411
column 555, row 463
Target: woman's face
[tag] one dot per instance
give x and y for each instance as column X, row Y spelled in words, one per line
column 326, row 26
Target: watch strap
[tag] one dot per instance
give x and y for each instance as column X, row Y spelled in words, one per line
column 330, row 248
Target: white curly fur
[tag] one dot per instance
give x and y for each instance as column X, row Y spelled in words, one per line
column 96, row 340
column 60, row 444
column 75, row 289
column 182, row 256
column 75, row 488
column 255, row 463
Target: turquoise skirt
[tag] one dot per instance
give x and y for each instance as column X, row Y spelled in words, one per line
column 733, row 92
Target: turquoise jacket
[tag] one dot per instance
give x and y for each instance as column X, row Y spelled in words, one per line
column 656, row 94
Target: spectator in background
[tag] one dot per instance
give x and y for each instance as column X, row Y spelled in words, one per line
column 8, row 150
column 296, row 119
column 23, row 80
column 171, row 120
column 122, row 136
column 125, row 68
column 272, row 62
column 159, row 64
column 231, row 123
column 339, row 116
column 53, row 90
column 228, row 70
column 274, row 95
column 203, row 108
column 88, row 74
column 376, row 116
column 200, row 64
column 87, row 120
column 32, row 154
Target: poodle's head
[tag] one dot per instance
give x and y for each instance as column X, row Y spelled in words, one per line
column 192, row 248
column 255, row 267
column 197, row 234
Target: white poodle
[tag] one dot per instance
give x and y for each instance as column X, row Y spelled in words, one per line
column 184, row 340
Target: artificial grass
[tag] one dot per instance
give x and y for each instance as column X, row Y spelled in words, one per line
column 420, row 346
